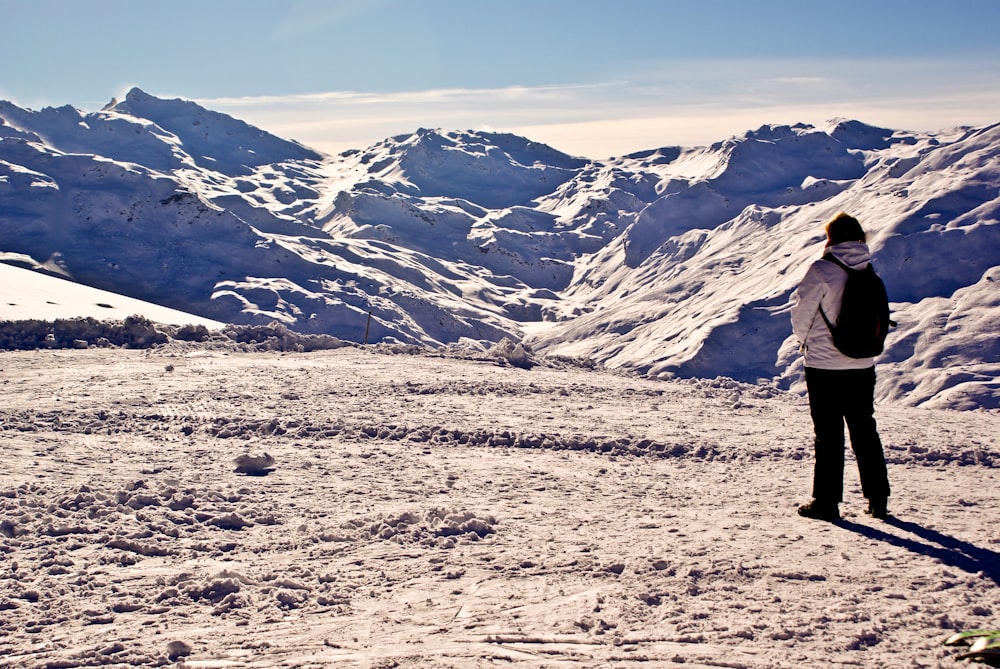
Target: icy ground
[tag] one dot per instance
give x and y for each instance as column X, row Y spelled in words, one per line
column 431, row 511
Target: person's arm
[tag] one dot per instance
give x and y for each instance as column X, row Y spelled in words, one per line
column 805, row 303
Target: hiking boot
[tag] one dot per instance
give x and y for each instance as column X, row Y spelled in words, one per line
column 878, row 508
column 820, row 510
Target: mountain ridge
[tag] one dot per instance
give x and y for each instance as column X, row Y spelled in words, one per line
column 670, row 261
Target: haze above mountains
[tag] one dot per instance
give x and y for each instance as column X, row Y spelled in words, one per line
column 672, row 261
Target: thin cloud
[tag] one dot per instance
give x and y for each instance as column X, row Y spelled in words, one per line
column 698, row 104
column 556, row 93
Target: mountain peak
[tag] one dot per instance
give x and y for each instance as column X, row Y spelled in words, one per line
column 858, row 135
column 134, row 95
column 497, row 170
column 214, row 140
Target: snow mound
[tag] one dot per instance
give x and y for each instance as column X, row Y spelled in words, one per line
column 437, row 527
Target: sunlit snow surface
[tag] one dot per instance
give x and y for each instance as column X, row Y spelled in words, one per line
column 25, row 294
column 452, row 510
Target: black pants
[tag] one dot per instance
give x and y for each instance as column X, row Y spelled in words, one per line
column 836, row 396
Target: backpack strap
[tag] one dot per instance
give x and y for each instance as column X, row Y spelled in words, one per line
column 826, row 320
column 840, row 263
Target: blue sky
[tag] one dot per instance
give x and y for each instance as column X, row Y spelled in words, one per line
column 594, row 78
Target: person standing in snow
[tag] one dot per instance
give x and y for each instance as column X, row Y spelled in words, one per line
column 841, row 389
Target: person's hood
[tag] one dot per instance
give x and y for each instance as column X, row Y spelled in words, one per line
column 853, row 254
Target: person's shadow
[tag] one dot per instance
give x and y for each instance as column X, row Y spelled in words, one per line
column 949, row 550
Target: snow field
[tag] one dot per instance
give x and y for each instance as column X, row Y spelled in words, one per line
column 436, row 511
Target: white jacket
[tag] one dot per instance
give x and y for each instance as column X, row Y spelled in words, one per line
column 823, row 285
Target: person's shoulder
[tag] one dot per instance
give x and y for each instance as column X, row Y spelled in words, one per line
column 822, row 273
column 824, row 267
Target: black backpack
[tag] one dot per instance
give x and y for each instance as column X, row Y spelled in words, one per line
column 863, row 322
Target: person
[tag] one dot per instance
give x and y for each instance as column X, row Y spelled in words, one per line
column 840, row 389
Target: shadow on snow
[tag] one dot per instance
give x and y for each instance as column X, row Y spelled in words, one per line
column 949, row 550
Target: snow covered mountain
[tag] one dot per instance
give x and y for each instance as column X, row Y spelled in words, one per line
column 673, row 261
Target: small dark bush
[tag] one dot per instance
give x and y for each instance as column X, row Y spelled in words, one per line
column 139, row 332
column 277, row 337
column 135, row 332
column 25, row 335
column 192, row 333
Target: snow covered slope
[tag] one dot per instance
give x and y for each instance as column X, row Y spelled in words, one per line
column 27, row 294
column 672, row 261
